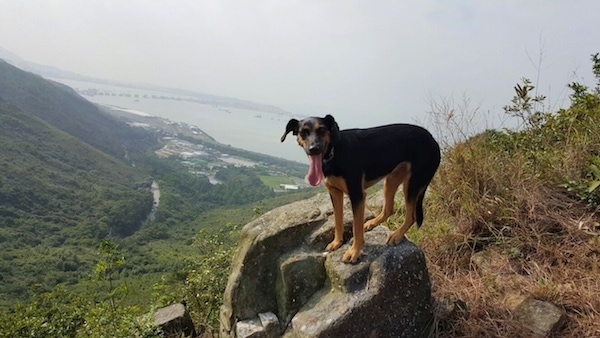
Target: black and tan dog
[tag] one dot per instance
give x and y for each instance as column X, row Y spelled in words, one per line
column 350, row 161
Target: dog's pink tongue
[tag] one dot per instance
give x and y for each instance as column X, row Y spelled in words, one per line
column 315, row 170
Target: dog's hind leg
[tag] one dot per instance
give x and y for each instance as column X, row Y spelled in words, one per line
column 390, row 187
column 412, row 198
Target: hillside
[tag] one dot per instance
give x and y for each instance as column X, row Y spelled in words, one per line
column 66, row 183
column 57, row 196
column 59, row 106
column 513, row 216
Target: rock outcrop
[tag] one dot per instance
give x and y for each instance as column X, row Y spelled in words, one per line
column 284, row 284
column 174, row 321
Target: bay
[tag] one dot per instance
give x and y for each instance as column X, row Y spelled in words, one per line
column 241, row 128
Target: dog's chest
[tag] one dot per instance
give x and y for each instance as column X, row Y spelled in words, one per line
column 336, row 182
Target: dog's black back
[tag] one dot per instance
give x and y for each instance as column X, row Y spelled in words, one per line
column 374, row 152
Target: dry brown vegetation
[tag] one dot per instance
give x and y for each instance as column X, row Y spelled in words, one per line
column 514, row 214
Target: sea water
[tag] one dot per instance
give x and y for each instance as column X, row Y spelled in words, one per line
column 241, row 128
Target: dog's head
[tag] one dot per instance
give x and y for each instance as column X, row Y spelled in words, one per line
column 317, row 136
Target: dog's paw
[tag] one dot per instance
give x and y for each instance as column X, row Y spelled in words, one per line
column 351, row 256
column 334, row 245
column 370, row 224
column 394, row 238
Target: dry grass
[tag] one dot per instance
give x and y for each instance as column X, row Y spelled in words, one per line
column 546, row 253
column 500, row 226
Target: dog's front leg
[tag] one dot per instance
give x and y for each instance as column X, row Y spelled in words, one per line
column 337, row 200
column 358, row 215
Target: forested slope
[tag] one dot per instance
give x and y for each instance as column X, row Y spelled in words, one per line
column 56, row 190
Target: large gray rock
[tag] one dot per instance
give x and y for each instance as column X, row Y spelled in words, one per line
column 174, row 321
column 280, row 269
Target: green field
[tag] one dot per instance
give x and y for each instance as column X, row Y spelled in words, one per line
column 275, row 181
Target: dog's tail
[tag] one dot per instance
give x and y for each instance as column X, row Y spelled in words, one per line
column 416, row 193
column 419, row 207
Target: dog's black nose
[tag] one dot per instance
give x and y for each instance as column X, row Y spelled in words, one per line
column 314, row 150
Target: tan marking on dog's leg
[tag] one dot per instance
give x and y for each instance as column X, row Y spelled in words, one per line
column 390, row 187
column 337, row 199
column 352, row 254
column 398, row 235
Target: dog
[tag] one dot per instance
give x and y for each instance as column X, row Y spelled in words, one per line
column 352, row 160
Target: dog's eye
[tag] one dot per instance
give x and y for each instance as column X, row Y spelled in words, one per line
column 321, row 130
column 303, row 133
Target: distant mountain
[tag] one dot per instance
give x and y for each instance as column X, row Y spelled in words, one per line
column 56, row 73
column 59, row 106
column 43, row 70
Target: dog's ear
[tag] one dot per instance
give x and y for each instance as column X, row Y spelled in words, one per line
column 334, row 130
column 292, row 126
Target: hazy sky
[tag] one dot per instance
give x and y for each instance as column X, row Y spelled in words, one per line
column 366, row 62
